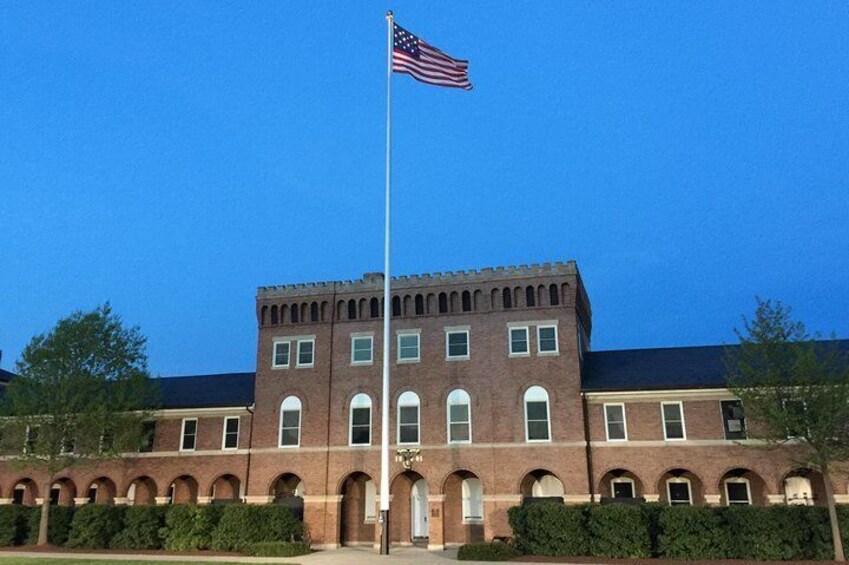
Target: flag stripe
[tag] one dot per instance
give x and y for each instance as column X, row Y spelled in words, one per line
column 426, row 63
column 466, row 86
column 401, row 58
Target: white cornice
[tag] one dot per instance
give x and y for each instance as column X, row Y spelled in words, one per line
column 658, row 395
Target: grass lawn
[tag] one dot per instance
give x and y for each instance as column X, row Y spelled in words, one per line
column 67, row 561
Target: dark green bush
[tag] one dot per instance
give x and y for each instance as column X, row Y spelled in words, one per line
column 692, row 532
column 189, row 527
column 619, row 530
column 143, row 527
column 550, row 529
column 94, row 525
column 483, row 551
column 58, row 527
column 14, row 524
column 243, row 525
column 278, row 549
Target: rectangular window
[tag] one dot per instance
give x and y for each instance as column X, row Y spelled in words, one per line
column 148, row 436
column 623, row 488
column 472, row 491
column 459, row 426
column 408, row 347
column 519, row 341
column 737, row 492
column 679, row 493
column 614, row 416
column 361, row 350
column 537, row 418
column 408, row 424
column 31, row 439
column 673, row 420
column 231, row 433
column 457, row 344
column 733, row 419
column 281, row 354
column 547, row 339
column 306, row 352
column 795, row 416
column 361, row 426
column 290, row 428
column 190, row 431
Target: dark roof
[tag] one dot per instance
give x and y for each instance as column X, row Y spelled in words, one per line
column 6, row 376
column 207, row 391
column 663, row 368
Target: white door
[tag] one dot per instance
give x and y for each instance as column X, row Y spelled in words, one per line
column 418, row 508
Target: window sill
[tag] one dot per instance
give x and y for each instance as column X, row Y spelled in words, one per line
column 288, row 446
column 548, row 353
column 355, row 445
column 362, row 363
column 472, row 521
column 623, row 440
column 407, row 361
column 278, row 367
column 458, row 358
column 511, row 355
column 537, row 440
column 674, row 439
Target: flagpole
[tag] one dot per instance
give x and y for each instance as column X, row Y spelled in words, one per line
column 387, row 308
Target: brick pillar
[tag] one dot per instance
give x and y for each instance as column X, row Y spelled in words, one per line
column 435, row 522
column 322, row 518
column 495, row 509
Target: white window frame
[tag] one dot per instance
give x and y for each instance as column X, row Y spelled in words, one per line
column 683, row 423
column 510, row 330
column 466, row 495
column 370, row 338
column 607, row 422
column 679, row 480
column 351, row 420
column 183, row 435
column 274, row 364
column 406, row 403
column 280, row 422
column 224, row 433
column 370, row 496
column 738, row 480
column 448, row 421
column 468, row 354
column 298, row 363
column 556, row 351
column 406, row 333
column 547, row 414
column 620, row 480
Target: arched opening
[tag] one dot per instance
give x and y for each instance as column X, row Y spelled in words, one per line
column 680, row 487
column 507, row 299
column 530, row 297
column 396, row 306
column 374, row 308
column 226, row 489
column 430, row 307
column 263, row 315
column 443, row 303
column 477, row 300
column 804, row 487
column 494, row 299
column 24, row 492
column 359, row 510
column 454, row 302
column 352, row 309
column 517, row 296
column 142, row 491
column 288, row 490
column 296, row 318
column 362, row 309
column 324, row 311
column 284, row 313
column 542, row 299
column 274, row 315
column 314, row 312
column 304, row 312
column 183, row 490
column 742, row 487
column 463, row 508
column 63, row 492
column 420, row 309
column 466, row 301
column 409, row 493
column 101, row 491
column 553, row 295
column 408, row 306
column 541, row 483
column 620, row 485
column 408, row 419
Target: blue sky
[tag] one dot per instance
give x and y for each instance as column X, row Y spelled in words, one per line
column 171, row 157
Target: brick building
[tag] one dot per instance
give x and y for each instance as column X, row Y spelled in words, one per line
column 493, row 381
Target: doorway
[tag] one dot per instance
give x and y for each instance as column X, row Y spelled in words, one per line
column 418, row 509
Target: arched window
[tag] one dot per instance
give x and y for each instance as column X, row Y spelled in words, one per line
column 263, row 315
column 419, row 305
column 547, row 486
column 374, row 307
column 314, row 312
column 530, row 297
column 290, row 422
column 443, row 303
column 472, row 501
column 537, row 425
column 408, row 418
column 553, row 295
column 274, row 314
column 352, row 309
column 506, row 296
column 295, row 316
column 360, row 418
column 679, row 492
column 396, row 306
column 459, row 417
column 467, row 301
column 737, row 491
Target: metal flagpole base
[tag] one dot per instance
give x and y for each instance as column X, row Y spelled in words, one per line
column 384, row 532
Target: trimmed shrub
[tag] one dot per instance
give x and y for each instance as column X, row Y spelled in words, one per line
column 483, row 551
column 619, row 530
column 189, row 527
column 278, row 549
column 14, row 524
column 692, row 532
column 550, row 529
column 242, row 525
column 94, row 525
column 58, row 524
column 143, row 527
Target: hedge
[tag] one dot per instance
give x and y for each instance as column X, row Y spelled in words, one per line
column 692, row 532
column 14, row 524
column 278, row 549
column 189, row 527
column 58, row 527
column 143, row 528
column 619, row 530
column 95, row 525
column 483, row 551
column 244, row 525
column 549, row 529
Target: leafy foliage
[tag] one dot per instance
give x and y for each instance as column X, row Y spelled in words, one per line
column 550, row 529
column 483, row 551
column 142, row 528
column 692, row 532
column 95, row 525
column 61, row 518
column 243, row 525
column 619, row 530
column 14, row 524
column 189, row 527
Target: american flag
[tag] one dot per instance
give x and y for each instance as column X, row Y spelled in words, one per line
column 426, row 63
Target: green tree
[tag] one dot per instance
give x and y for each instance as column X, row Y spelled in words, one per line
column 795, row 391
column 82, row 394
